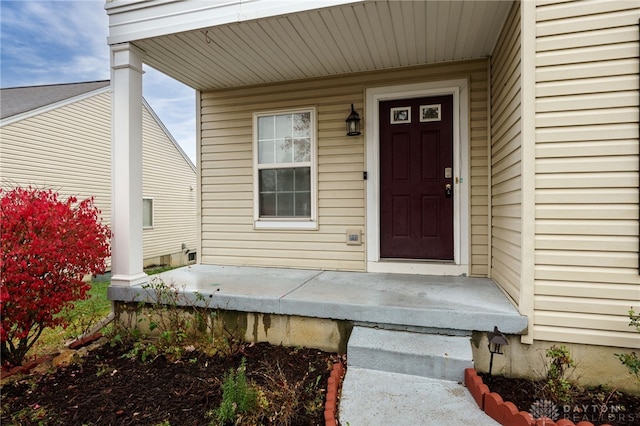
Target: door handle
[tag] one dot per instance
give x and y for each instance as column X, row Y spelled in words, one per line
column 448, row 191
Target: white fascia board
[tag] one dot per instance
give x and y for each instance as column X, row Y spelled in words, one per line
column 131, row 20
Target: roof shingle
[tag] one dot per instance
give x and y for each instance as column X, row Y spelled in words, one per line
column 18, row 100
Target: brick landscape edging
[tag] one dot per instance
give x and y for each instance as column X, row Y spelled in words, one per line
column 25, row 368
column 506, row 413
column 79, row 343
column 333, row 385
column 28, row 366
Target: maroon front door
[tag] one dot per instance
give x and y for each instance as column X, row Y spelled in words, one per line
column 416, row 178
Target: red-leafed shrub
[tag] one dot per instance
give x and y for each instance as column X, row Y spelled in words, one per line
column 48, row 246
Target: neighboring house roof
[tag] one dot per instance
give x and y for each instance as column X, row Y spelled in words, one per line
column 18, row 100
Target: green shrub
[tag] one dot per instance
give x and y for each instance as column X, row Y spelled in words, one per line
column 559, row 363
column 631, row 360
column 238, row 396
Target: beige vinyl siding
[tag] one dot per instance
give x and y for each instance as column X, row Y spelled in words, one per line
column 68, row 149
column 506, row 168
column 228, row 235
column 170, row 180
column 59, row 149
column 586, row 262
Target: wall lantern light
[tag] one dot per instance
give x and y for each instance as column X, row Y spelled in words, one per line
column 496, row 340
column 353, row 123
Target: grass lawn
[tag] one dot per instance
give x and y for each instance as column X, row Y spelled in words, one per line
column 84, row 315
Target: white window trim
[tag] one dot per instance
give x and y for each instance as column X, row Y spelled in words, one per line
column 153, row 209
column 287, row 223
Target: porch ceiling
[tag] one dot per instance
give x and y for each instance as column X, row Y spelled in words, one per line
column 355, row 37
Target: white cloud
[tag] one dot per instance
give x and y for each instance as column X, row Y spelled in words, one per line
column 62, row 41
column 49, row 42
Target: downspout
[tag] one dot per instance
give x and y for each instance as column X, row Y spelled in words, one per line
column 198, row 176
column 527, row 162
column 489, row 170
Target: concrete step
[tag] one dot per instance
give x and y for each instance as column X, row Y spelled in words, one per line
column 427, row 355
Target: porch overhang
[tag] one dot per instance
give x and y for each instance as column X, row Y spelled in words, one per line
column 243, row 43
column 221, row 44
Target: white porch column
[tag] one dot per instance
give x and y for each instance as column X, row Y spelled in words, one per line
column 126, row 165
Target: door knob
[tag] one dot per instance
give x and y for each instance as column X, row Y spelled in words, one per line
column 448, row 191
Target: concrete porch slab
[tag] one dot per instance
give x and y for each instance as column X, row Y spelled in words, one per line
column 451, row 303
column 234, row 288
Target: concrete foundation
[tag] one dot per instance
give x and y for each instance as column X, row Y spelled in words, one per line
column 595, row 365
column 180, row 258
column 319, row 333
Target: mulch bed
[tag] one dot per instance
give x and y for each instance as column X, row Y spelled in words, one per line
column 109, row 389
column 597, row 405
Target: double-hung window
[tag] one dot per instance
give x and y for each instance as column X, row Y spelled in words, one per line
column 285, row 158
column 147, row 213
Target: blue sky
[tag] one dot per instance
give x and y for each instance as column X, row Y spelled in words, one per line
column 51, row 42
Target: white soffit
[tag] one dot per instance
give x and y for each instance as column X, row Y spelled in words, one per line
column 218, row 44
